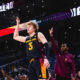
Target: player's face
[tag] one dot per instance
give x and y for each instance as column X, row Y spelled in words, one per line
column 30, row 29
column 63, row 47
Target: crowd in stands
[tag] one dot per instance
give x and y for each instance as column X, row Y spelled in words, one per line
column 18, row 70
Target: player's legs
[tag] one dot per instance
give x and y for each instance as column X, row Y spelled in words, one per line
column 41, row 71
column 32, row 73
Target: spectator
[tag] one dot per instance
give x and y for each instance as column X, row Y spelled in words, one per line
column 5, row 76
column 65, row 65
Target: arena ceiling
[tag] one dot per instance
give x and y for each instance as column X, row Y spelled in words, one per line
column 33, row 9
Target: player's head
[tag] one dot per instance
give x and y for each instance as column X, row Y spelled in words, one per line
column 32, row 27
column 64, row 47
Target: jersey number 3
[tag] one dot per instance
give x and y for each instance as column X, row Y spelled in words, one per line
column 30, row 46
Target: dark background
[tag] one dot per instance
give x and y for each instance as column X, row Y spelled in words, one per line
column 67, row 30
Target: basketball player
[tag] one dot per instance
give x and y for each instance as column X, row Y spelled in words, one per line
column 37, row 70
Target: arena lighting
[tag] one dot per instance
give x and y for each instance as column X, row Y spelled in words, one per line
column 42, row 1
column 53, row 17
column 27, row 6
column 10, row 30
column 18, row 9
column 65, row 33
column 62, row 15
column 28, row 11
column 70, row 27
column 57, row 16
column 42, row 6
column 7, row 6
column 78, row 29
column 33, row 4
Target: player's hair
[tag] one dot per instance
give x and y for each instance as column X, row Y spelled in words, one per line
column 35, row 25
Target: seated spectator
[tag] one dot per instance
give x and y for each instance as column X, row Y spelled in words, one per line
column 23, row 77
column 5, row 76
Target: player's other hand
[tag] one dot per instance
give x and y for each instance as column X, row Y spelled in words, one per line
column 46, row 63
column 51, row 31
column 17, row 20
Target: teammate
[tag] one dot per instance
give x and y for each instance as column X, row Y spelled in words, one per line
column 37, row 70
column 65, row 65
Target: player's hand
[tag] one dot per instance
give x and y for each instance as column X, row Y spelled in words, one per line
column 17, row 20
column 46, row 63
column 51, row 31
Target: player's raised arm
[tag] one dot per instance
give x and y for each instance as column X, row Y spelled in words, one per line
column 16, row 35
column 54, row 45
